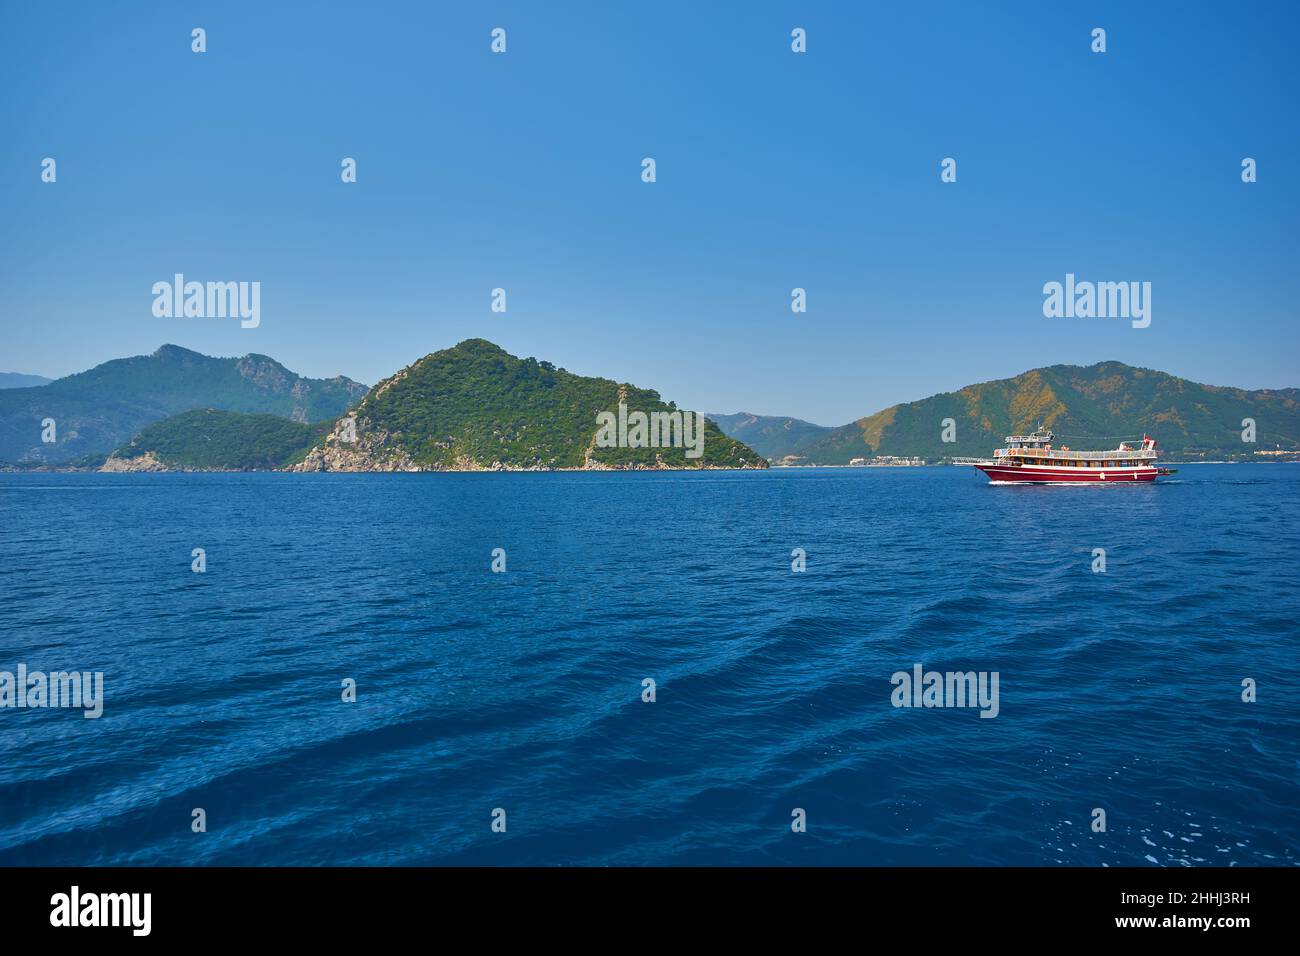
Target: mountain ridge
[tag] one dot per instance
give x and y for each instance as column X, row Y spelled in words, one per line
column 102, row 408
column 772, row 436
column 22, row 380
column 1082, row 403
column 471, row 407
column 475, row 406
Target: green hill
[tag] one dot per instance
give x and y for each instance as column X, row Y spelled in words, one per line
column 1087, row 407
column 101, row 409
column 475, row 406
column 771, row 436
column 210, row 439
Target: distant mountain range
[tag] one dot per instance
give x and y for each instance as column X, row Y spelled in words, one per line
column 471, row 407
column 772, row 436
column 475, row 406
column 99, row 410
column 1087, row 407
column 19, row 380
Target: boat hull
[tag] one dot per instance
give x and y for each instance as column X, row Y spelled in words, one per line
column 1049, row 475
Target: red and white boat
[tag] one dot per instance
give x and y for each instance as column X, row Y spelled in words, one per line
column 1033, row 459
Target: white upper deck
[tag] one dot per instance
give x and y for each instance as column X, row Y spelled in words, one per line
column 1039, row 439
column 1038, row 445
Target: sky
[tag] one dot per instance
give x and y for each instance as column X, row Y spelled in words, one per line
column 774, row 170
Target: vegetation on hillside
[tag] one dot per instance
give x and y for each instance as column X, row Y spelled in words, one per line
column 226, row 441
column 476, row 403
column 100, row 409
column 1087, row 407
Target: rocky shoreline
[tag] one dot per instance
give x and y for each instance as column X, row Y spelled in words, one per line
column 147, row 464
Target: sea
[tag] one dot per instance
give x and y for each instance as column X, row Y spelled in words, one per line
column 609, row 669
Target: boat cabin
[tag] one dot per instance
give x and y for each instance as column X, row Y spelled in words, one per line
column 1039, row 439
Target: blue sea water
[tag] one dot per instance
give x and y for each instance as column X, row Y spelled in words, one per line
column 522, row 691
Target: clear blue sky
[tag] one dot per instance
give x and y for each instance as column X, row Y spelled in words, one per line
column 775, row 170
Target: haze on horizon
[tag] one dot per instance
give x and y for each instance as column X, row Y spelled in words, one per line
column 774, row 171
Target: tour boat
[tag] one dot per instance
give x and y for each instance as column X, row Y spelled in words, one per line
column 1033, row 459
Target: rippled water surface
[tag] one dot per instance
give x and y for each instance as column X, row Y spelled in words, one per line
column 522, row 690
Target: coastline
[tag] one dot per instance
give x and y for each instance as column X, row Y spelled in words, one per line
column 157, row 467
